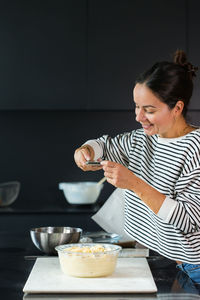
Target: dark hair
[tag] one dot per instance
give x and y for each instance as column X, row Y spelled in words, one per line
column 171, row 81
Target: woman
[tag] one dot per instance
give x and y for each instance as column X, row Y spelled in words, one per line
column 158, row 165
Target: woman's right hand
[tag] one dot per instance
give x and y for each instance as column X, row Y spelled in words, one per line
column 82, row 155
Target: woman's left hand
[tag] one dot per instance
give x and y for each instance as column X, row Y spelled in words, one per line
column 123, row 178
column 118, row 175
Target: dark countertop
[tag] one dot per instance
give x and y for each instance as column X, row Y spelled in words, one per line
column 15, row 266
column 49, row 209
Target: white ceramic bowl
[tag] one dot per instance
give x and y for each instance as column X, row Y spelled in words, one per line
column 88, row 260
column 81, row 192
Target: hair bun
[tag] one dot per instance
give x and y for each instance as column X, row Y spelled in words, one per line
column 180, row 58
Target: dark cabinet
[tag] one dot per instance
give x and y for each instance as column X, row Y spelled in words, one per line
column 43, row 54
column 194, row 47
column 83, row 54
column 126, row 37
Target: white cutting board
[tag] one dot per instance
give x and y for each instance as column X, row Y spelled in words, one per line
column 132, row 275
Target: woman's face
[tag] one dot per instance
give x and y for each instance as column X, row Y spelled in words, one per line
column 154, row 116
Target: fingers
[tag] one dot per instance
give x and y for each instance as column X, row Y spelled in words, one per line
column 93, row 168
column 112, row 171
column 108, row 164
column 108, row 167
column 81, row 156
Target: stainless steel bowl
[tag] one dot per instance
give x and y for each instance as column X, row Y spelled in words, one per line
column 9, row 192
column 47, row 238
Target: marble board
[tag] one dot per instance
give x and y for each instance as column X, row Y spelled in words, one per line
column 132, row 275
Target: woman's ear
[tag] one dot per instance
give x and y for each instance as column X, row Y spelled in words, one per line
column 179, row 107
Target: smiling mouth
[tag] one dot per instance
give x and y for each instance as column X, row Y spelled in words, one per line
column 146, row 126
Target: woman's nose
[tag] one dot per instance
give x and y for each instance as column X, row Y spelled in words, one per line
column 140, row 116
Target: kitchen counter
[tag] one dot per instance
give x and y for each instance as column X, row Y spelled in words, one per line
column 58, row 208
column 16, row 264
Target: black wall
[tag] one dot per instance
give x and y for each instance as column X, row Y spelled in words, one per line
column 67, row 72
column 37, row 148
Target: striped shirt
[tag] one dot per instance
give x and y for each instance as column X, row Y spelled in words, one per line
column 172, row 166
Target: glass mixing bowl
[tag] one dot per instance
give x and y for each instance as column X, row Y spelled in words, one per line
column 88, row 259
column 9, row 192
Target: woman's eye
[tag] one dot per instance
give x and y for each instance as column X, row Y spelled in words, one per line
column 150, row 112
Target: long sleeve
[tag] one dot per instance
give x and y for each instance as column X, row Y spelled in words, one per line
column 115, row 149
column 183, row 211
column 118, row 148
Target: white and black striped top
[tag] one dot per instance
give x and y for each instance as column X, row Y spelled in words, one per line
column 172, row 166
